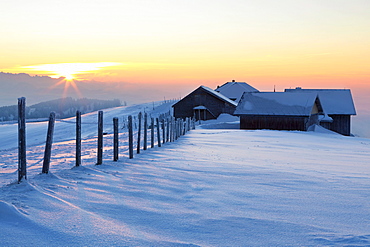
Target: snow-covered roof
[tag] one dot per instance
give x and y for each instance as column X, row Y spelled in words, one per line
column 200, row 107
column 218, row 95
column 276, row 103
column 334, row 101
column 235, row 90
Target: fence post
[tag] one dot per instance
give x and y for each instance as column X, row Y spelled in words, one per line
column 168, row 130
column 175, row 129
column 171, row 129
column 145, row 131
column 22, row 160
column 158, row 133
column 49, row 143
column 78, row 138
column 100, row 138
column 163, row 131
column 152, row 133
column 115, row 139
column 130, row 138
column 139, row 134
column 183, row 126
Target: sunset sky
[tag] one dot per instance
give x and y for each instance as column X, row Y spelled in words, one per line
column 183, row 44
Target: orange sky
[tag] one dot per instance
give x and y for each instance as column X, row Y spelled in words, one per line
column 182, row 44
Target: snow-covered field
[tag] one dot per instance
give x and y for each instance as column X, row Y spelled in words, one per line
column 215, row 186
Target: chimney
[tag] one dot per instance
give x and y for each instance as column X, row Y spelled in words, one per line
column 233, row 81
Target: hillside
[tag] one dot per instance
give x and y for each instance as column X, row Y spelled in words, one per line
column 63, row 108
column 212, row 187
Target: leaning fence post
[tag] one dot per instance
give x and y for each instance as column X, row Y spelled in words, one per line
column 22, row 161
column 115, row 139
column 139, row 134
column 158, row 133
column 152, row 133
column 145, row 131
column 78, row 138
column 130, row 138
column 100, row 138
column 49, row 143
column 183, row 126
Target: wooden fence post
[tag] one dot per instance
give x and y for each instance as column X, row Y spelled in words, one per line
column 185, row 123
column 130, row 138
column 139, row 134
column 49, row 143
column 78, row 138
column 163, row 131
column 171, row 129
column 100, row 138
column 152, row 133
column 158, row 133
column 145, row 131
column 168, row 130
column 22, row 160
column 115, row 139
column 183, row 126
column 175, row 129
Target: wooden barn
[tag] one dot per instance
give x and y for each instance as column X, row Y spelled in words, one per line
column 203, row 103
column 280, row 111
column 338, row 105
column 234, row 90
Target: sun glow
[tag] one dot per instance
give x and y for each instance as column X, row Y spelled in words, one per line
column 69, row 71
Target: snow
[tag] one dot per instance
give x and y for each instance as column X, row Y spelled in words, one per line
column 276, row 103
column 220, row 96
column 334, row 101
column 235, row 90
column 215, row 186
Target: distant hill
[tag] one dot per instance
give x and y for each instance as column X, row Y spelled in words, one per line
column 64, row 108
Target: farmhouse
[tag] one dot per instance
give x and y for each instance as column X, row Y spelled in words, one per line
column 234, row 90
column 280, row 111
column 203, row 103
column 337, row 103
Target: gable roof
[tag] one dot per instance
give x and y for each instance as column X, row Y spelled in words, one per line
column 235, row 90
column 219, row 95
column 212, row 92
column 276, row 103
column 334, row 101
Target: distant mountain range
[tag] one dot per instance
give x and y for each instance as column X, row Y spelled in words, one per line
column 63, row 108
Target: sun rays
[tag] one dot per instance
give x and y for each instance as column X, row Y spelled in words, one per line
column 68, row 73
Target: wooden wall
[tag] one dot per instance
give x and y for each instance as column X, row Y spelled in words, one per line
column 273, row 122
column 184, row 108
column 341, row 124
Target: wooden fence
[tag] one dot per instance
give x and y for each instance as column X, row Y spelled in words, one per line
column 167, row 128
